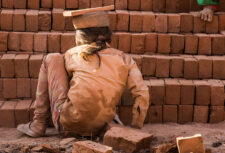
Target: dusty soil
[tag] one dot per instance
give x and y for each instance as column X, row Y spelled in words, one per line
column 13, row 141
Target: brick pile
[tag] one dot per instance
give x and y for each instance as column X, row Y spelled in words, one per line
column 181, row 57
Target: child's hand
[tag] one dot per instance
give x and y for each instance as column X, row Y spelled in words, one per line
column 207, row 14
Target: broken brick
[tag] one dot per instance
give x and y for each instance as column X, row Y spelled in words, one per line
column 90, row 146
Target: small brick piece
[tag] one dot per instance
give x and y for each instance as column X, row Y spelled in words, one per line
column 125, row 114
column 23, row 87
column 34, row 65
column 221, row 22
column 148, row 22
column 204, row 44
column 136, row 20
column 170, row 113
column 164, row 41
column 22, row 112
column 199, row 24
column 134, row 5
column 72, row 4
column 186, row 22
column 177, row 43
column 218, row 67
column 7, row 20
column 121, row 4
column 40, row 42
column 157, row 92
column 205, row 67
column 112, row 20
column 172, row 91
column 95, row 3
column 7, row 66
column 190, row 68
column 19, row 20
column 33, row 4
column 7, row 116
column 161, row 22
column 54, row 40
column 201, row 114
column 67, row 41
column 191, row 44
column 146, row 5
column 32, row 21
column 58, row 20
column 69, row 24
column 155, row 114
column 173, row 23
column 7, row 4
column 21, row 4
column 26, row 41
column 151, row 43
column 84, row 4
column 3, row 41
column 90, row 146
column 213, row 26
column 59, row 4
column 135, row 139
column 216, row 114
column 46, row 4
column 218, row 45
column 149, row 65
column 124, row 42
column 44, row 20
column 162, row 66
column 21, row 66
column 122, row 20
column 34, row 83
column 217, row 93
column 9, row 88
column 203, row 92
column 159, row 5
column 137, row 43
column 187, row 92
column 176, row 67
column 185, row 114
column 14, row 41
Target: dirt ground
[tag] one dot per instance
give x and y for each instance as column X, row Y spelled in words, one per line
column 13, row 141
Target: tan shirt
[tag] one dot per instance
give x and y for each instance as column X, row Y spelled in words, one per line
column 96, row 91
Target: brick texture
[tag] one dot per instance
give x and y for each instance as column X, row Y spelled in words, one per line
column 34, row 65
column 157, row 92
column 32, row 21
column 9, row 88
column 170, row 113
column 22, row 112
column 7, row 66
column 23, row 87
column 7, row 114
column 21, row 66
column 185, row 114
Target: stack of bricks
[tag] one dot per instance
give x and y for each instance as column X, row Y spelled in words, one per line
column 181, row 57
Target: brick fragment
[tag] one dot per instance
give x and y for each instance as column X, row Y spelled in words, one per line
column 112, row 20
column 151, row 43
column 124, row 42
column 26, row 41
column 170, row 113
column 137, row 43
column 218, row 45
column 136, row 20
column 134, row 5
column 22, row 111
column 7, row 20
column 146, row 5
column 122, row 20
column 19, row 20
column 155, row 114
column 3, row 41
column 32, row 21
column 33, row 85
column 157, row 92
column 67, row 41
column 7, row 66
column 187, row 92
column 186, row 22
column 162, row 66
column 7, row 4
column 9, row 88
column 203, row 92
column 190, row 68
column 164, row 41
column 149, row 65
column 21, row 66
column 176, row 67
column 205, row 67
column 199, row 24
column 54, row 42
column 95, row 3
column 125, row 114
column 7, row 116
column 44, row 20
column 148, row 22
column 218, row 67
column 217, row 93
column 21, row 4
column 46, row 3
column 72, row 4
column 221, row 22
column 161, row 23
column 172, row 91
column 84, row 4
column 201, row 114
column 177, row 43
column 213, row 26
column 34, row 65
column 159, row 5
column 58, row 20
column 173, row 23
column 23, row 87
column 191, row 44
column 216, row 114
column 59, row 4
column 40, row 42
column 185, row 113
column 135, row 139
column 121, row 4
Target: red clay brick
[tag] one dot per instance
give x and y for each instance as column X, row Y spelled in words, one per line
column 46, row 3
column 44, row 20
column 32, row 21
column 21, row 66
column 201, row 114
column 21, row 4
column 194, row 6
column 218, row 67
column 199, row 24
column 136, row 20
column 26, row 41
column 191, row 44
column 134, row 5
column 149, row 65
column 122, row 20
column 157, row 92
column 7, row 66
column 218, row 45
column 69, row 24
column 205, row 67
column 204, row 44
column 217, row 93
column 137, row 43
column 13, row 41
column 108, row 2
column 72, row 4
column 164, row 41
column 187, row 92
column 90, row 146
column 159, row 5
column 151, row 43
column 33, row 4
column 213, row 26
column 22, row 111
column 19, row 20
column 190, row 68
column 7, row 116
column 185, row 113
column 67, row 41
column 34, row 83
column 23, row 88
column 174, row 23
column 112, row 20
column 7, row 4
column 84, row 4
column 161, row 22
column 7, row 20
column 216, row 114
column 34, row 65
column 114, row 41
column 124, row 42
column 177, row 43
column 171, row 6
column 59, row 4
column 125, row 114
column 146, row 5
column 120, row 4
column 3, row 41
column 58, row 20
column 95, row 3
column 221, row 22
column 172, row 91
column 203, row 92
column 40, row 42
column 148, row 22
column 126, row 100
column 54, row 42
column 186, row 22
column 9, row 88
column 162, row 66
column 176, row 67
column 170, row 113
column 155, row 114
